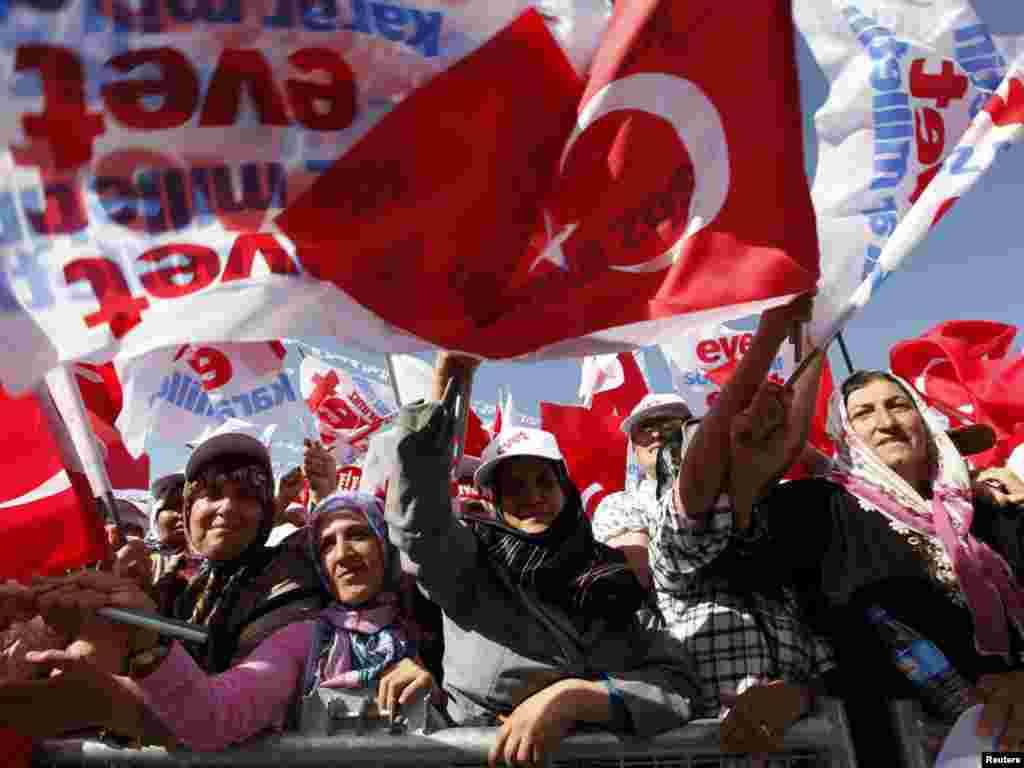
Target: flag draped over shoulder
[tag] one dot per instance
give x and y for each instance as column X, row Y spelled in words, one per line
column 922, row 101
column 399, row 176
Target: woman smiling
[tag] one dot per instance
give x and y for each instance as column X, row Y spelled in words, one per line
column 894, row 530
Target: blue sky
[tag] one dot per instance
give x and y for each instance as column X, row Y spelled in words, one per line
column 971, row 266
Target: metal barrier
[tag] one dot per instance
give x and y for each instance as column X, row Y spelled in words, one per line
column 822, row 740
column 915, row 731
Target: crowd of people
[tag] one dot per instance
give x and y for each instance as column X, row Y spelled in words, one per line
column 716, row 586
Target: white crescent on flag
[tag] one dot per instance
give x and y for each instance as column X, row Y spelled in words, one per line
column 699, row 127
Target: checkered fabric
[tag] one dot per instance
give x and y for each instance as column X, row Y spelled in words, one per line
column 735, row 639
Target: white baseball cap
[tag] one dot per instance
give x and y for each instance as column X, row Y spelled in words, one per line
column 517, row 441
column 655, row 406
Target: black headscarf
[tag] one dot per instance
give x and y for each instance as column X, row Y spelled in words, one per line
column 565, row 565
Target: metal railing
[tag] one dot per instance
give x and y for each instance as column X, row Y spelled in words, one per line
column 821, row 740
column 915, row 732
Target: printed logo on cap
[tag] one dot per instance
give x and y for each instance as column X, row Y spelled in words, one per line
column 505, row 444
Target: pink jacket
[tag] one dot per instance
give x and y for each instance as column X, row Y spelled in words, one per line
column 211, row 712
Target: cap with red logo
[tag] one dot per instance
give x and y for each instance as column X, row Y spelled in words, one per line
column 656, row 406
column 519, row 441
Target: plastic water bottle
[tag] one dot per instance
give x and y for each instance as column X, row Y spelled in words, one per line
column 943, row 690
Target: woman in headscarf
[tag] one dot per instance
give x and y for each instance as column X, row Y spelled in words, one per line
column 893, row 537
column 360, row 643
column 173, row 564
column 244, row 590
column 540, row 626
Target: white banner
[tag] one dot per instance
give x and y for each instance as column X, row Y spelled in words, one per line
column 715, row 347
column 194, row 126
column 181, row 393
column 906, row 78
column 346, row 404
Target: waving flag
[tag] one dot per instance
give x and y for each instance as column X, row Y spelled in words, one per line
column 103, row 398
column 967, row 370
column 344, row 404
column 923, row 100
column 178, row 393
column 48, row 519
column 396, row 175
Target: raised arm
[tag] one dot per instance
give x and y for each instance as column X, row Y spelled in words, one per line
column 702, row 477
column 419, row 507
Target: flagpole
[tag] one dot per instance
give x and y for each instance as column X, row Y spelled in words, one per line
column 68, row 400
column 63, row 380
column 393, row 378
column 846, row 353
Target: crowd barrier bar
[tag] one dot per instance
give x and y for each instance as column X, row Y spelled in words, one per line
column 914, row 729
column 822, row 740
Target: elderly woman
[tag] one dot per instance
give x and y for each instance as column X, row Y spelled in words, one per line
column 540, row 624
column 358, row 641
column 891, row 545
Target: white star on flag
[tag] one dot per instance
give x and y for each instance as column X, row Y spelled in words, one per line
column 553, row 250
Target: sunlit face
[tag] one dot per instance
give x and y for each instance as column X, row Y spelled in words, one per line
column 224, row 522
column 648, row 436
column 352, row 555
column 170, row 525
column 531, row 497
column 886, row 419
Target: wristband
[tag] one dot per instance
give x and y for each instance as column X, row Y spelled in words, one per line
column 621, row 719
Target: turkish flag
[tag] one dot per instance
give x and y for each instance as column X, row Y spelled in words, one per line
column 620, row 401
column 549, row 209
column 593, row 446
column 965, row 369
column 103, row 398
column 48, row 519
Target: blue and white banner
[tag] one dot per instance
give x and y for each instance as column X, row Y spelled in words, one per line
column 178, row 394
column 907, row 128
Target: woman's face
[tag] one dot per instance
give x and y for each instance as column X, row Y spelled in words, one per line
column 170, row 524
column 886, row 419
column 225, row 522
column 352, row 555
column 531, row 497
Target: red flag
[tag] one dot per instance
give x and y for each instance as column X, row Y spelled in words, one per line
column 48, row 520
column 593, row 446
column 638, row 196
column 103, row 398
column 965, row 369
column 476, row 436
column 621, row 400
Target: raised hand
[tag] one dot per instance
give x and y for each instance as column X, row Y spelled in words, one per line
column 321, row 470
column 1000, row 486
column 759, row 454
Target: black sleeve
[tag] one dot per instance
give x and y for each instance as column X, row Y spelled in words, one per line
column 798, row 518
column 1002, row 528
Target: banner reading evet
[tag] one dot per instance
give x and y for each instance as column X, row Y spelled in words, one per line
column 490, row 177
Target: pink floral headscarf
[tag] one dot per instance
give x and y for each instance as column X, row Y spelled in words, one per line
column 984, row 577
